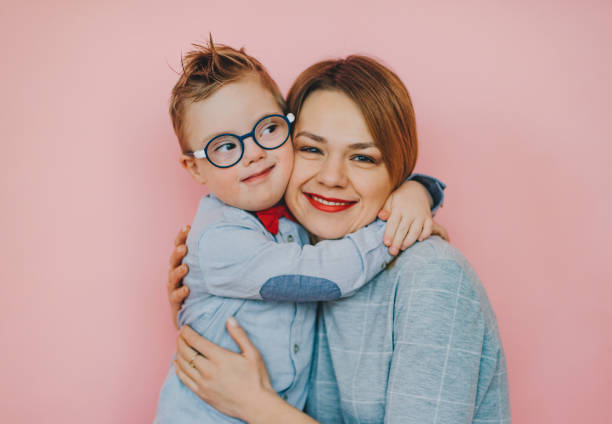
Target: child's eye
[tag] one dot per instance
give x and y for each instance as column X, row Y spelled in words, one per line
column 364, row 158
column 225, row 147
column 269, row 129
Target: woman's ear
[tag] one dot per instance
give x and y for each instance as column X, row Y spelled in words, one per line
column 191, row 165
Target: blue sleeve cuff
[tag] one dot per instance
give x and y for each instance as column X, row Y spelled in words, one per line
column 434, row 186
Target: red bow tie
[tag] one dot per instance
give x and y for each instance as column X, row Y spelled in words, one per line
column 269, row 217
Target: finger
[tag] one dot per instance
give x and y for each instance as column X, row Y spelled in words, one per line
column 186, row 356
column 385, row 211
column 413, row 234
column 177, row 297
column 175, row 277
column 177, row 255
column 400, row 235
column 427, row 227
column 391, row 228
column 201, row 344
column 195, row 366
column 441, row 231
column 183, row 350
column 241, row 338
column 187, row 381
column 181, row 237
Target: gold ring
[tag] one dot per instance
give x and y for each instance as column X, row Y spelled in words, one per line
column 192, row 362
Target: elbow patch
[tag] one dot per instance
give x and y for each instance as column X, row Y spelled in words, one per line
column 299, row 288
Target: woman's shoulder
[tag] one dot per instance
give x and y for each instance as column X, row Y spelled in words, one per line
column 431, row 250
column 430, row 255
column 436, row 266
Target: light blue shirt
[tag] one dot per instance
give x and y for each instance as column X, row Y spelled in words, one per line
column 237, row 268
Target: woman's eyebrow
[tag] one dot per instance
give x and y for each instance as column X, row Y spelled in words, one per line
column 311, row 136
column 360, row 146
column 354, row 146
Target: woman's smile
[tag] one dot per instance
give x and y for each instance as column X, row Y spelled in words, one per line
column 326, row 204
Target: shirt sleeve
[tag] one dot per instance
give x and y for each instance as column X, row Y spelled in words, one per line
column 243, row 262
column 434, row 186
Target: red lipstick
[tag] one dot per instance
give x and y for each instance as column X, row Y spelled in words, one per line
column 328, row 204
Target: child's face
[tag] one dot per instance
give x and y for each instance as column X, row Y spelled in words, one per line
column 259, row 180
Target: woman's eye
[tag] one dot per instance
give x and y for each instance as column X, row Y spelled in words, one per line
column 364, row 158
column 309, row 149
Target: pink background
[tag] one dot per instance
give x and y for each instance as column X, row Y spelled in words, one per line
column 513, row 101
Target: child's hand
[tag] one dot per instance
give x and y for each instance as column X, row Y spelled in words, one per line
column 408, row 215
column 438, row 230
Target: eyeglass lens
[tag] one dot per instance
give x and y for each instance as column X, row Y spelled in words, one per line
column 269, row 133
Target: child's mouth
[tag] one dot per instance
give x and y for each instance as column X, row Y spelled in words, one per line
column 258, row 176
column 328, row 204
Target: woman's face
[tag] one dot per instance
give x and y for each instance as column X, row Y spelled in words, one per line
column 339, row 181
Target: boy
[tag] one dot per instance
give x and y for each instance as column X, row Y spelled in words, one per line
column 223, row 90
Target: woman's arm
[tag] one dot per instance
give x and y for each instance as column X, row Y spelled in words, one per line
column 236, row 384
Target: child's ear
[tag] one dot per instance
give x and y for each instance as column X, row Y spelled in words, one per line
column 190, row 164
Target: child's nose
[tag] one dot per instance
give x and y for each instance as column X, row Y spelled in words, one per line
column 252, row 151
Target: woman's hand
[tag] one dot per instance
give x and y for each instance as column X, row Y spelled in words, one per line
column 231, row 382
column 176, row 291
column 236, row 384
column 408, row 215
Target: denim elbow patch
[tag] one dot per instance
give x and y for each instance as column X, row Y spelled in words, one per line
column 299, row 288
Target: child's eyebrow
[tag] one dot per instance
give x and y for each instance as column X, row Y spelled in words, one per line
column 318, row 138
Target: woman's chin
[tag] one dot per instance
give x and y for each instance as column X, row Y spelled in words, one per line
column 334, row 228
column 325, row 233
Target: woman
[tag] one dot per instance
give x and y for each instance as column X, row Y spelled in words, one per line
column 417, row 344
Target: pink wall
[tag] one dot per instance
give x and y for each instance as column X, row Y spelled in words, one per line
column 513, row 101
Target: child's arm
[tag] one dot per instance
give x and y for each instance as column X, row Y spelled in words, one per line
column 241, row 261
column 435, row 189
column 408, row 212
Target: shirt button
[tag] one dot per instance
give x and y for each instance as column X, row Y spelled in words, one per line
column 290, row 237
column 296, row 348
column 383, row 266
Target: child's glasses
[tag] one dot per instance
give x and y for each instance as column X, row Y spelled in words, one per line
column 225, row 150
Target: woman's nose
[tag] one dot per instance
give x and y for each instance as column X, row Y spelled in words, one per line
column 252, row 152
column 332, row 173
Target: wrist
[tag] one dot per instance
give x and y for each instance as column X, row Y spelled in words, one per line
column 261, row 406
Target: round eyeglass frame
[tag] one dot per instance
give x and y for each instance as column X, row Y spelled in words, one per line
column 203, row 153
